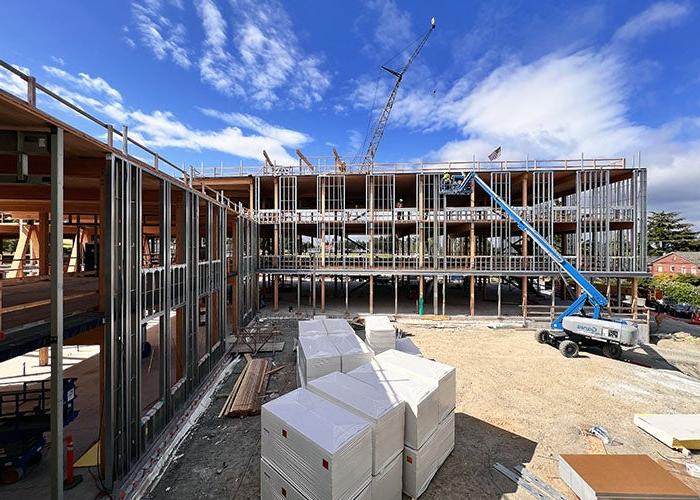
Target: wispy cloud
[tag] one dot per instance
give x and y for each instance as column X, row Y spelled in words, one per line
column 245, row 135
column 392, row 31
column 164, row 38
column 258, row 55
column 659, row 16
column 13, row 84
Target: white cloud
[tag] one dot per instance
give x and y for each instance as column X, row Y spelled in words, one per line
column 392, row 30
column 355, row 140
column 58, row 60
column 162, row 36
column 162, row 129
column 261, row 59
column 9, row 82
column 660, row 15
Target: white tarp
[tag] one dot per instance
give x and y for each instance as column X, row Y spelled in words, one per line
column 421, row 397
column 317, row 356
column 380, row 333
column 311, row 327
column 426, row 369
column 353, row 351
column 387, row 485
column 335, row 326
column 420, row 466
column 384, row 411
column 405, row 344
column 323, row 449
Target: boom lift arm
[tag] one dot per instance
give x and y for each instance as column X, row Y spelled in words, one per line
column 590, row 293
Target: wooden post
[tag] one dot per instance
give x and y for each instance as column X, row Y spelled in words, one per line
column 635, row 296
column 17, row 265
column 276, row 293
column 323, row 293
column 299, row 293
column 396, row 294
column 347, row 284
column 435, row 294
column 43, row 243
column 444, row 293
column 554, row 297
column 499, row 297
column 371, row 294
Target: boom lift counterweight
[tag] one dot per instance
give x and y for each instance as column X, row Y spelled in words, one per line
column 569, row 330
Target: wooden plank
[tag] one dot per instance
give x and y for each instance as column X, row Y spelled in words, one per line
column 29, row 305
column 226, row 408
column 246, row 401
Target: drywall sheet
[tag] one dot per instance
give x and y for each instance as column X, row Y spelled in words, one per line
column 336, row 326
column 380, row 333
column 317, row 356
column 384, row 411
column 675, row 431
column 311, row 327
column 405, row 344
column 274, row 486
column 387, row 485
column 353, row 351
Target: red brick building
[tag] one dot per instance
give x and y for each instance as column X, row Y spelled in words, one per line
column 676, row 263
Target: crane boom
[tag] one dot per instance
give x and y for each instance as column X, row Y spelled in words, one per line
column 384, row 116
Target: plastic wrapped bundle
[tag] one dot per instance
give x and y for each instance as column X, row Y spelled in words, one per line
column 388, row 484
column 405, row 344
column 380, row 334
column 426, row 369
column 337, row 326
column 274, row 486
column 353, row 351
column 316, row 357
column 421, row 397
column 384, row 411
column 311, row 327
column 324, row 450
column 420, row 465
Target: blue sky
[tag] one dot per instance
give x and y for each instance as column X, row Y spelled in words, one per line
column 217, row 81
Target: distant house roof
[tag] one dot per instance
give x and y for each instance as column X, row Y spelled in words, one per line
column 692, row 257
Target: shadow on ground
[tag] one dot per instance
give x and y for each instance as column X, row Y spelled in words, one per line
column 468, row 472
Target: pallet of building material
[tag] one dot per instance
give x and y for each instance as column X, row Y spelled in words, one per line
column 405, row 344
column 337, row 326
column 593, row 477
column 248, row 397
column 352, row 349
column 311, row 327
column 675, row 431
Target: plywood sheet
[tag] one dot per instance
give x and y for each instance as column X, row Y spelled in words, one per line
column 620, row 476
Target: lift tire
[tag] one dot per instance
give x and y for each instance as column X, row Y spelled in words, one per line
column 568, row 348
column 612, row 351
column 11, row 475
column 542, row 336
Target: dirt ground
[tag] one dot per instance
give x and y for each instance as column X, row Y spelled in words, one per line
column 517, row 402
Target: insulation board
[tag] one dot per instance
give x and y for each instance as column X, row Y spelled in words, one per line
column 405, row 344
column 317, row 356
column 380, row 334
column 311, row 327
column 675, row 431
column 388, row 484
column 352, row 349
column 337, row 326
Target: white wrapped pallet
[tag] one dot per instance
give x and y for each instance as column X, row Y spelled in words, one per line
column 321, row 448
column 337, row 326
column 420, row 466
column 317, row 356
column 405, row 344
column 311, row 327
column 387, row 485
column 384, row 411
column 380, row 334
column 274, row 486
column 426, row 369
column 421, row 397
column 352, row 349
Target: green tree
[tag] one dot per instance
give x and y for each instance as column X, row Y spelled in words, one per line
column 669, row 232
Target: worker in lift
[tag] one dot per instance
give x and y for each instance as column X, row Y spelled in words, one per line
column 447, row 180
column 399, row 204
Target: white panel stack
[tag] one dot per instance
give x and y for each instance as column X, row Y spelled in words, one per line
column 380, row 334
column 316, row 357
column 405, row 344
column 353, row 351
column 311, row 327
column 337, row 326
column 384, row 411
column 274, row 486
column 421, row 397
column 419, row 466
column 426, row 369
column 323, row 450
column 387, row 485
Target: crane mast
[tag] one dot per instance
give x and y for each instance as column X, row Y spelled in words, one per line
column 384, row 116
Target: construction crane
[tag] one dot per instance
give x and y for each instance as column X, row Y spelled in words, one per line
column 384, row 116
column 569, row 330
column 304, row 159
column 339, row 162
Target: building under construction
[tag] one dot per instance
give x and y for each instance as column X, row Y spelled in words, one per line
column 336, row 223
column 156, row 267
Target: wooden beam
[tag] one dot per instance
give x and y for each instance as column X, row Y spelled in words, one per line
column 44, row 243
column 17, row 265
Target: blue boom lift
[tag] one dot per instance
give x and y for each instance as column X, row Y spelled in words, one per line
column 570, row 329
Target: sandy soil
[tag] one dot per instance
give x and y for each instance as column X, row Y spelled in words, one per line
column 522, row 402
column 517, row 402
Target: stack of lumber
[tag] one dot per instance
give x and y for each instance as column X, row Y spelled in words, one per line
column 593, row 477
column 248, row 391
